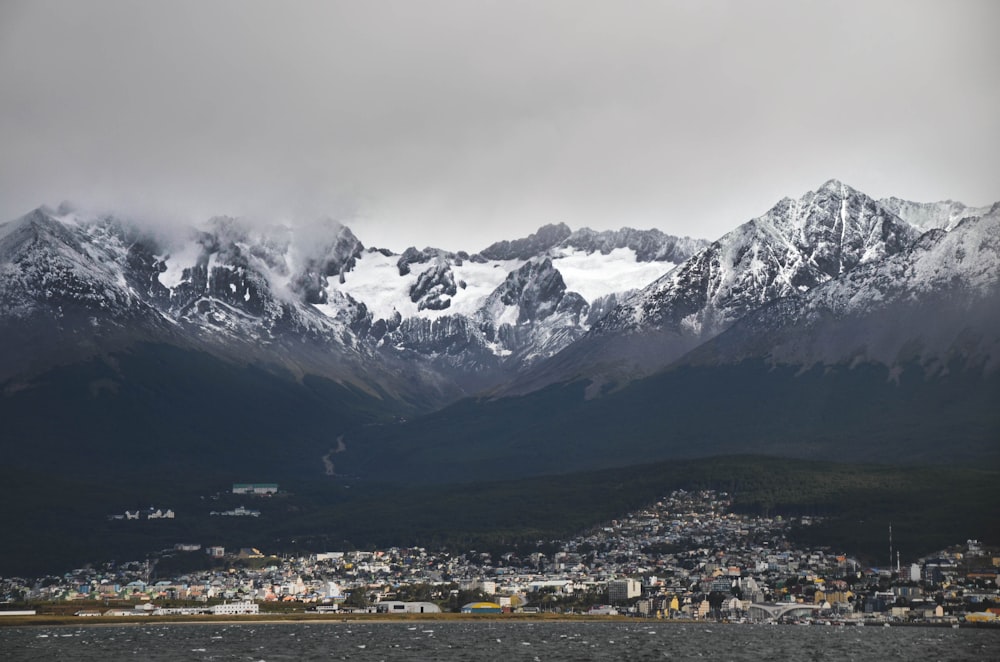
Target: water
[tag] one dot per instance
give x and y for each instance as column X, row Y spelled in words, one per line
column 428, row 640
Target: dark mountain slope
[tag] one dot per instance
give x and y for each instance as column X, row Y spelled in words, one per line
column 173, row 414
column 864, row 414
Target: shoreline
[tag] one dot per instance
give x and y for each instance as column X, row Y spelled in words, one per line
column 369, row 619
column 272, row 619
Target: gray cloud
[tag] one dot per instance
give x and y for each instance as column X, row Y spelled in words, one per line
column 459, row 123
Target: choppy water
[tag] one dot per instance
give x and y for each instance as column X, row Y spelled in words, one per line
column 494, row 641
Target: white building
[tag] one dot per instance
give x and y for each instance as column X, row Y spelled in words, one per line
column 234, row 608
column 329, row 556
column 333, row 590
column 393, row 607
column 557, row 585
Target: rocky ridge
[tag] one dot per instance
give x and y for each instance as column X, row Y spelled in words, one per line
column 794, row 247
column 267, row 293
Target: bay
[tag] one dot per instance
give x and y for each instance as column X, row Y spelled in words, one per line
column 450, row 640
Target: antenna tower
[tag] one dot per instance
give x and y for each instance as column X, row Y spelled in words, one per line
column 890, row 546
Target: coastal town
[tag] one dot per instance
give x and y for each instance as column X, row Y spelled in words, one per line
column 687, row 556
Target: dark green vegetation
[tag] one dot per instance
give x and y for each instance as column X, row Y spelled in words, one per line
column 171, row 428
column 833, row 413
column 164, row 414
column 64, row 525
column 929, row 508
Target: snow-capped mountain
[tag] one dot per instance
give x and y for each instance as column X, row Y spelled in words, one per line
column 517, row 315
column 935, row 305
column 511, row 304
column 64, row 292
column 88, row 283
column 797, row 245
column 432, row 283
column 318, row 300
column 794, row 247
column 48, row 263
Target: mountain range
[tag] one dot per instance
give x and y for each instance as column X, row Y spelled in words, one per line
column 277, row 350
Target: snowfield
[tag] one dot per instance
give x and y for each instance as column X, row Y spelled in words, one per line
column 594, row 275
column 375, row 280
column 184, row 258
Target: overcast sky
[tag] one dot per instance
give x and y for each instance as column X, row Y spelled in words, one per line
column 455, row 124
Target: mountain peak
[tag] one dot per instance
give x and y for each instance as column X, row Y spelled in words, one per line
column 795, row 246
column 838, row 188
column 546, row 237
column 41, row 218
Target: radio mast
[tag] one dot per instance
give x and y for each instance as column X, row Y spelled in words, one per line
column 890, row 547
